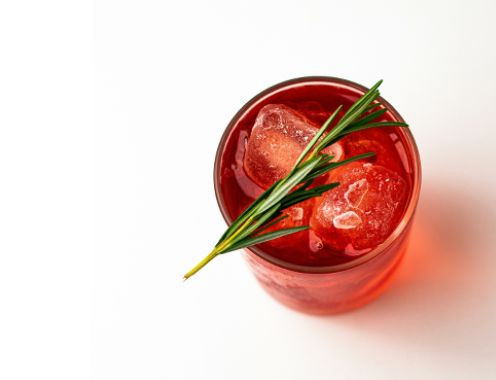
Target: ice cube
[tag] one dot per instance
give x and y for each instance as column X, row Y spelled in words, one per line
column 277, row 139
column 362, row 211
column 297, row 215
column 347, row 220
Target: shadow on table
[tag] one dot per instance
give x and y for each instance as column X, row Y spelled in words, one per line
column 441, row 297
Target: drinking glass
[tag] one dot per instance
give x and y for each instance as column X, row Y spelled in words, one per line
column 336, row 288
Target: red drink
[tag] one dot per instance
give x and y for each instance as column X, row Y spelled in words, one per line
column 357, row 232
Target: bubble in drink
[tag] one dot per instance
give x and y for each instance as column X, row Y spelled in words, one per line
column 277, row 139
column 362, row 211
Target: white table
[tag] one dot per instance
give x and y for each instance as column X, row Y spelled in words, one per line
column 100, row 224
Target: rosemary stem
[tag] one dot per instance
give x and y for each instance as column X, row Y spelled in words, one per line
column 266, row 210
column 202, row 263
column 217, row 250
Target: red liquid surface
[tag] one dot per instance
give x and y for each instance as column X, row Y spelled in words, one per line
column 323, row 244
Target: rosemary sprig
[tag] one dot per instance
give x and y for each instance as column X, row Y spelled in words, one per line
column 267, row 209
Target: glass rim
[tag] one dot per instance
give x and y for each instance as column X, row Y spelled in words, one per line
column 409, row 211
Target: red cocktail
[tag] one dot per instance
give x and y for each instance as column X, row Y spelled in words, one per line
column 358, row 231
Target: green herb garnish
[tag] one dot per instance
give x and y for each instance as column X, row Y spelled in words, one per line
column 267, row 209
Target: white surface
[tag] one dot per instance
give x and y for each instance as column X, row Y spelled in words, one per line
column 98, row 226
